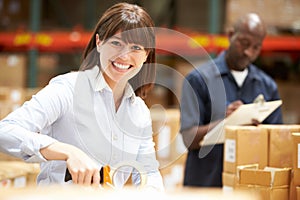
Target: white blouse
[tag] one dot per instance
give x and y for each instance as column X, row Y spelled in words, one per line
column 78, row 108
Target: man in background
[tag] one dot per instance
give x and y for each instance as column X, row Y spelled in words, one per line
column 214, row 90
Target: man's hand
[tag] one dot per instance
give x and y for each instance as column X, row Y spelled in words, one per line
column 233, row 106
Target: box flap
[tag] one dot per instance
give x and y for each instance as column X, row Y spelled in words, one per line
column 271, row 177
column 279, row 176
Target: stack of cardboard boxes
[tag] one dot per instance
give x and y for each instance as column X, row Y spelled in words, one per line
column 260, row 159
column 10, row 99
column 289, row 11
column 18, row 174
column 295, row 184
column 14, row 173
column 12, row 81
column 170, row 150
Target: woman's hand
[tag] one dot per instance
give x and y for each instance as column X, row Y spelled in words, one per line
column 83, row 169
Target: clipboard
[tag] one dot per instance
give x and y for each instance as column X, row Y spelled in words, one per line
column 259, row 110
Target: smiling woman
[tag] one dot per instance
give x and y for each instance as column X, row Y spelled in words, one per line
column 95, row 117
column 134, row 26
column 120, row 61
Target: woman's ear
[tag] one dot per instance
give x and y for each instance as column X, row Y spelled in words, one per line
column 148, row 53
column 98, row 42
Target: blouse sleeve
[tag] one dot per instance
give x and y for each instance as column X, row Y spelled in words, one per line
column 21, row 132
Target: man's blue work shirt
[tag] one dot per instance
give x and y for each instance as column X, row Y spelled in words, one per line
column 206, row 92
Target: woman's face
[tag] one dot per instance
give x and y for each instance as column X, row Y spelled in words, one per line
column 120, row 61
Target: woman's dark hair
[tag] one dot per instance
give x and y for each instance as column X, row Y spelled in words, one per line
column 137, row 27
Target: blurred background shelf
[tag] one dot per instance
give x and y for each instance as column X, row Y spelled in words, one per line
column 74, row 41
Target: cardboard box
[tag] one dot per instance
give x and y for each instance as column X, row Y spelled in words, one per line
column 12, row 177
column 18, row 174
column 168, row 141
column 47, row 68
column 290, row 93
column 173, row 176
column 13, row 70
column 280, row 144
column 293, row 192
column 267, row 193
column 11, row 98
column 269, row 176
column 296, row 158
column 12, row 95
column 229, row 180
column 245, row 145
column 5, row 109
column 158, row 96
column 271, row 183
column 6, row 157
column 289, row 11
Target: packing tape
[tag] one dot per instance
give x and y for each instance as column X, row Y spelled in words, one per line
column 135, row 165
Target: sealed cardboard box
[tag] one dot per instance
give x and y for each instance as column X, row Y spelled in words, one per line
column 11, row 98
column 5, row 109
column 10, row 176
column 280, row 144
column 173, row 175
column 229, row 180
column 271, row 183
column 47, row 67
column 6, row 157
column 296, row 158
column 18, row 173
column 170, row 150
column 245, row 145
column 293, row 189
column 12, row 95
column 168, row 141
column 13, row 70
column 289, row 11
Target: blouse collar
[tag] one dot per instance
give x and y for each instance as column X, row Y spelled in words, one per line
column 98, row 83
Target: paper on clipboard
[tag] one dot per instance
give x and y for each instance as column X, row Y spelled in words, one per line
column 258, row 110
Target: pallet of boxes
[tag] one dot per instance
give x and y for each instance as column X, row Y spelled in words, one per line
column 262, row 159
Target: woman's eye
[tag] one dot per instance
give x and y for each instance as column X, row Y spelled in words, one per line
column 116, row 43
column 136, row 47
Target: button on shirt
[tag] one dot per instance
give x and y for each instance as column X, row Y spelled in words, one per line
column 78, row 108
